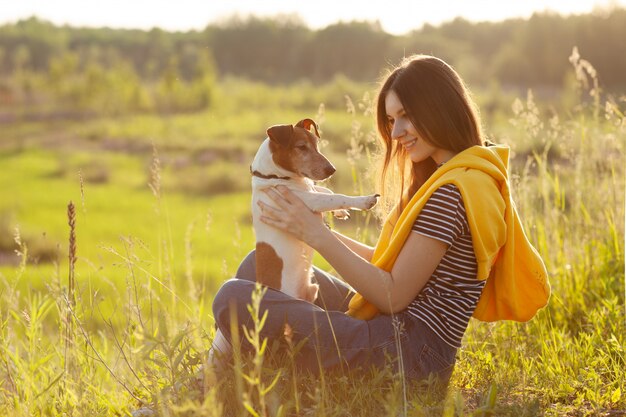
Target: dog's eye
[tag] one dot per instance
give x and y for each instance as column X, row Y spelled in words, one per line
column 302, row 147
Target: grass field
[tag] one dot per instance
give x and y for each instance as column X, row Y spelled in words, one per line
column 162, row 217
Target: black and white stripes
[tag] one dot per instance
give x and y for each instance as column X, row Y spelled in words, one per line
column 449, row 298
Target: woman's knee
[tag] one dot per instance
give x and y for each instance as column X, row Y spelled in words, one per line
column 247, row 268
column 233, row 294
column 333, row 293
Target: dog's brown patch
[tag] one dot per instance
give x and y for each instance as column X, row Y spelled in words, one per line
column 282, row 155
column 269, row 266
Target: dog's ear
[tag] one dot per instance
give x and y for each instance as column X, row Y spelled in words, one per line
column 281, row 134
column 307, row 123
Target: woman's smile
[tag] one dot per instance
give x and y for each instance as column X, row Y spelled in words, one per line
column 408, row 144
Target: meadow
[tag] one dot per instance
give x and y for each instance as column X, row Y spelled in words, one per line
column 105, row 301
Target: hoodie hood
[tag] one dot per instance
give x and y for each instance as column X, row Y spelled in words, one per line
column 492, row 160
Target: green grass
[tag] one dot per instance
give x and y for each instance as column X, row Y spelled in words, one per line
column 111, row 213
column 152, row 250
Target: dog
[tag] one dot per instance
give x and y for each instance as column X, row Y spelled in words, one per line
column 290, row 156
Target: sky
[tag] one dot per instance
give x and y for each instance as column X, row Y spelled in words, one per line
column 396, row 16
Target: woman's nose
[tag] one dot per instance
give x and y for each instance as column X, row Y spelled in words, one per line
column 397, row 131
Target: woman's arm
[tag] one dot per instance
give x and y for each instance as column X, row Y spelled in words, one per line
column 391, row 291
column 364, row 251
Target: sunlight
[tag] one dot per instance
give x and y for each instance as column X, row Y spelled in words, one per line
column 396, row 17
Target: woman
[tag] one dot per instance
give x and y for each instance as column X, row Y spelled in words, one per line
column 443, row 238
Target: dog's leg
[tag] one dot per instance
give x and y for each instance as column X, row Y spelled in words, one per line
column 341, row 214
column 329, row 202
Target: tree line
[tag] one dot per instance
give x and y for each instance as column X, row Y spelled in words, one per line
column 524, row 53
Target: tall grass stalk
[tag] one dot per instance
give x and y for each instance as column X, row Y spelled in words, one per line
column 71, row 288
column 165, row 251
column 258, row 389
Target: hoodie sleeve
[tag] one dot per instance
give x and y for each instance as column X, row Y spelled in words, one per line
column 486, row 210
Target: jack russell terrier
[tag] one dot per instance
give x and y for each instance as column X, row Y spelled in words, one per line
column 290, row 156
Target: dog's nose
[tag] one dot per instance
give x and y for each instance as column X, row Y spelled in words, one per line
column 329, row 170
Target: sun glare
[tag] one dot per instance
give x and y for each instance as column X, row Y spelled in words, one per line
column 396, row 16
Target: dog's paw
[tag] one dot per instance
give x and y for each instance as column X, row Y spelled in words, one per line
column 373, row 199
column 341, row 214
column 367, row 202
column 312, row 292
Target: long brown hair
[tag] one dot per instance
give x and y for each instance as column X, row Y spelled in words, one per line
column 439, row 106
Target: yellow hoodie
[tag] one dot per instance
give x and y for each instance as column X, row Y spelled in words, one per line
column 517, row 282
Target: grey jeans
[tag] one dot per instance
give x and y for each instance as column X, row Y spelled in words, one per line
column 329, row 338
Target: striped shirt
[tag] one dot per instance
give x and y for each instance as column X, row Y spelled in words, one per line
column 449, row 298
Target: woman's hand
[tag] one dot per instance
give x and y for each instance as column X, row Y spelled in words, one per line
column 293, row 216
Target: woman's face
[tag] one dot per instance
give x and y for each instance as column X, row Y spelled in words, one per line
column 405, row 133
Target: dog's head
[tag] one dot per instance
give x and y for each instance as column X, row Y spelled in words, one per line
column 296, row 149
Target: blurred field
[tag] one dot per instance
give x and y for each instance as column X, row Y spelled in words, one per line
column 163, row 217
